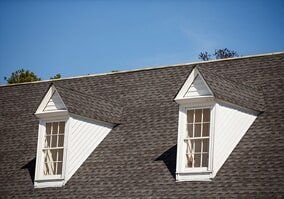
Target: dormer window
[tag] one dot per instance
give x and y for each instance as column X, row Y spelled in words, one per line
column 210, row 123
column 71, row 125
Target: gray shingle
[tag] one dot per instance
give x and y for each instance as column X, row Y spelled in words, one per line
column 235, row 92
column 129, row 163
column 87, row 105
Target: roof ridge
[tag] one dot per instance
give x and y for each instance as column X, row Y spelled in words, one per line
column 149, row 68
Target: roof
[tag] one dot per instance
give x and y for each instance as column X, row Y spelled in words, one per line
column 137, row 158
column 233, row 91
column 87, row 105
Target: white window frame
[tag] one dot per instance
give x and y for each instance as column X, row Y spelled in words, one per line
column 210, row 151
column 201, row 173
column 39, row 176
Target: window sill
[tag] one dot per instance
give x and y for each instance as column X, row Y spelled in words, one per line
column 194, row 176
column 44, row 183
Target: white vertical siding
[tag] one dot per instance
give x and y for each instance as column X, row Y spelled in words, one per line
column 230, row 126
column 55, row 103
column 198, row 88
column 84, row 137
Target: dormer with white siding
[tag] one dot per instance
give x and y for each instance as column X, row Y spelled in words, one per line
column 211, row 123
column 67, row 137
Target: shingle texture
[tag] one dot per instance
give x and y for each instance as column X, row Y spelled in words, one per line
column 137, row 159
column 233, row 91
column 90, row 106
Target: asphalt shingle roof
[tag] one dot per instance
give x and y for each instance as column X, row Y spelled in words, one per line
column 235, row 92
column 87, row 105
column 137, row 158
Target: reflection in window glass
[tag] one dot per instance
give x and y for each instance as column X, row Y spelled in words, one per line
column 53, row 148
column 197, row 140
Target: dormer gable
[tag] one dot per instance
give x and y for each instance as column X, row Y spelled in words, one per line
column 195, row 87
column 55, row 103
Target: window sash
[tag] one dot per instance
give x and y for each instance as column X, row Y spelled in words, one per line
column 53, row 153
column 191, row 156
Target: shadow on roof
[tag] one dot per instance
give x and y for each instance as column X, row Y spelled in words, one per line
column 30, row 166
column 169, row 158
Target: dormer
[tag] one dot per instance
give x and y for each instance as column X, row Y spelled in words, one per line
column 215, row 112
column 71, row 125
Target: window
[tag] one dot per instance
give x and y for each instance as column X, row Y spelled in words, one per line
column 53, row 148
column 197, row 138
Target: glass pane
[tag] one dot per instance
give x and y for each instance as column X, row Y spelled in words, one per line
column 60, row 140
column 48, row 128
column 197, row 145
column 206, row 115
column 206, row 129
column 60, row 155
column 49, row 168
column 61, row 127
column 197, row 130
column 59, row 168
column 54, row 141
column 47, row 143
column 205, row 145
column 50, row 155
column 189, row 160
column 204, row 160
column 190, row 130
column 55, row 128
column 197, row 158
column 190, row 116
column 198, row 113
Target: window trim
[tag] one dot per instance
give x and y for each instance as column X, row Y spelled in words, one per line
column 205, row 172
column 39, row 176
column 210, row 151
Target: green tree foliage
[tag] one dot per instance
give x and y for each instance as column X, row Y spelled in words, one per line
column 57, row 76
column 218, row 54
column 22, row 75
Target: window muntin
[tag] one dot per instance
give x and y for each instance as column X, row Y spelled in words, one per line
column 197, row 138
column 53, row 148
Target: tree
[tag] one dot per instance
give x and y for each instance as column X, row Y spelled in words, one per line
column 57, row 76
column 205, row 56
column 218, row 54
column 22, row 75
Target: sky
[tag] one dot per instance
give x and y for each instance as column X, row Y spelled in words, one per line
column 88, row 37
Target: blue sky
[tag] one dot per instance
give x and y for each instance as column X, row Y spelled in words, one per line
column 86, row 37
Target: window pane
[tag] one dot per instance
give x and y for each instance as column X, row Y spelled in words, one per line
column 190, row 116
column 59, row 168
column 190, row 130
column 60, row 155
column 189, row 161
column 206, row 115
column 54, row 141
column 197, row 158
column 204, row 160
column 50, row 155
column 55, row 128
column 205, row 145
column 47, row 143
column 206, row 129
column 198, row 113
column 60, row 140
column 48, row 128
column 61, row 127
column 49, row 168
column 197, row 145
column 197, row 130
